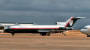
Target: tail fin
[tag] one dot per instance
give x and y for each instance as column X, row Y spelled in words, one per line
column 70, row 22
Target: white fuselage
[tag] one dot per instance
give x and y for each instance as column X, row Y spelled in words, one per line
column 35, row 27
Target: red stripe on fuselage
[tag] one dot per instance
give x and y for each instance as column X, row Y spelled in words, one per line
column 34, row 28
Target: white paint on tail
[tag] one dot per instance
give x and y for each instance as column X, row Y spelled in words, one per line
column 70, row 22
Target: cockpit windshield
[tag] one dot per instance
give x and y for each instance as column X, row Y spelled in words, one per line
column 84, row 28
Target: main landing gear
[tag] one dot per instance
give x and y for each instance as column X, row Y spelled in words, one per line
column 12, row 33
column 45, row 34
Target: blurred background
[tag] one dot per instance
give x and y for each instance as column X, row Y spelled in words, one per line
column 45, row 11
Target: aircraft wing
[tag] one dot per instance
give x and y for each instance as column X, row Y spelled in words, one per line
column 44, row 30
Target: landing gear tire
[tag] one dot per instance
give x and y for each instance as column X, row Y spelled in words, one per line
column 45, row 34
column 48, row 34
column 88, row 35
column 12, row 33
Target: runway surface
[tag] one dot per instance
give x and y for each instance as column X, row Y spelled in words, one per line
column 73, row 40
column 44, row 44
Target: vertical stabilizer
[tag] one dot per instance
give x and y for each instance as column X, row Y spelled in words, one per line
column 70, row 22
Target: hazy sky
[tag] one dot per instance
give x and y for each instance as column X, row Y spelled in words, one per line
column 44, row 11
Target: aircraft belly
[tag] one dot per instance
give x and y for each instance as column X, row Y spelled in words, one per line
column 22, row 30
column 27, row 30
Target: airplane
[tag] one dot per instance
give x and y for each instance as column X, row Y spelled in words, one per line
column 44, row 30
column 86, row 30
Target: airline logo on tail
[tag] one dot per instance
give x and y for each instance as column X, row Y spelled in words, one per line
column 70, row 22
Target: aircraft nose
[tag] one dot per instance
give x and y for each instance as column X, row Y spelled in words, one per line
column 83, row 30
